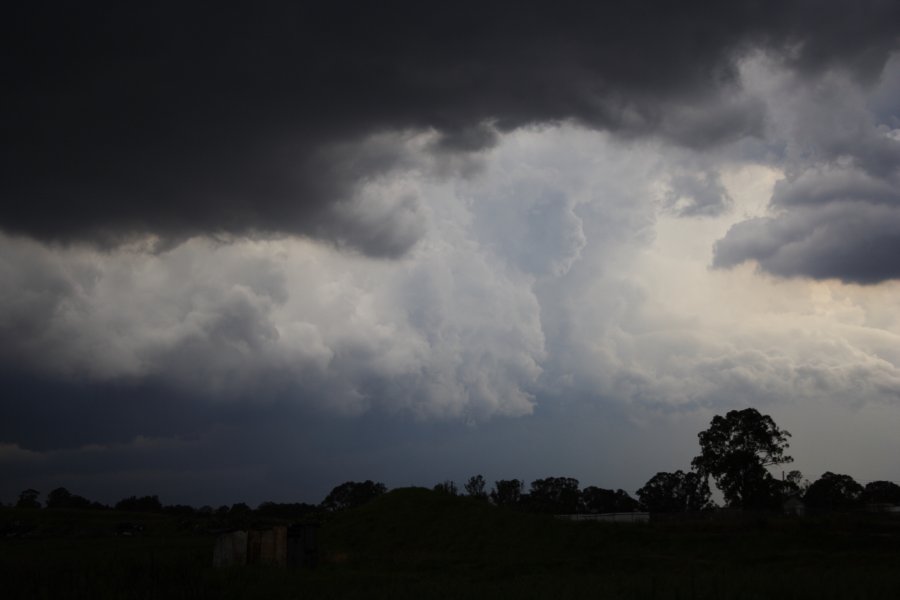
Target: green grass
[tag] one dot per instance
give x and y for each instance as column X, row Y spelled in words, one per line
column 414, row 543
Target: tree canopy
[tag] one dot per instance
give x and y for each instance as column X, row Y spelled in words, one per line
column 142, row 504
column 555, row 495
column 675, row 492
column 833, row 491
column 351, row 494
column 507, row 492
column 475, row 487
column 29, row 499
column 882, row 492
column 735, row 451
column 63, row 498
column 596, row 500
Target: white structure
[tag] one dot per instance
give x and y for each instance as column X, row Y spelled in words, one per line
column 622, row 517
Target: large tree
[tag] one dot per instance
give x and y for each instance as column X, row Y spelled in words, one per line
column 736, row 451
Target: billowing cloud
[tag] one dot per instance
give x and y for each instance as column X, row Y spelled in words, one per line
column 179, row 121
column 852, row 241
column 835, row 213
column 697, row 194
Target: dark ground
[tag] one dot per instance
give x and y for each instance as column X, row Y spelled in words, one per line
column 414, row 543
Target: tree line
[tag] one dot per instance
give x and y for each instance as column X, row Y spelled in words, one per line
column 737, row 452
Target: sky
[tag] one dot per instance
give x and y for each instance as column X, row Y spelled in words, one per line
column 248, row 253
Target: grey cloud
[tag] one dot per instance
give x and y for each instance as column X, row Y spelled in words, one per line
column 454, row 334
column 542, row 232
column 697, row 195
column 853, row 242
column 179, row 120
column 835, row 212
column 824, row 185
column 709, row 124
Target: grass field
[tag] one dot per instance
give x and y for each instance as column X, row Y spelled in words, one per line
column 415, row 543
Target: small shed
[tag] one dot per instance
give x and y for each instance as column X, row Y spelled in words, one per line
column 794, row 506
column 279, row 546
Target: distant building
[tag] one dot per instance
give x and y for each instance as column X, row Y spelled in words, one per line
column 794, row 506
column 883, row 507
column 279, row 546
column 622, row 517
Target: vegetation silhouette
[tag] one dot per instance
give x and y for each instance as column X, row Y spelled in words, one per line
column 416, row 542
column 595, row 500
column 29, row 499
column 833, row 491
column 676, row 492
column 475, row 487
column 351, row 494
column 736, row 451
column 882, row 492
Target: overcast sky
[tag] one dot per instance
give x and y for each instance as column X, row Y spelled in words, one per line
column 249, row 253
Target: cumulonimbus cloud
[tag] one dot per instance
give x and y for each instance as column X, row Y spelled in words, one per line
column 182, row 120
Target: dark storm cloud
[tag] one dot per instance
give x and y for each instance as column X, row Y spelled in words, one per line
column 836, row 212
column 853, row 242
column 182, row 119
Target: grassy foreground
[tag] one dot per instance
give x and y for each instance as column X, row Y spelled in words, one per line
column 414, row 543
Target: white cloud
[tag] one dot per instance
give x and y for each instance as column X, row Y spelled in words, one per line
column 552, row 268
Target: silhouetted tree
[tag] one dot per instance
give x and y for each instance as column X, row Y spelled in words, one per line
column 475, row 487
column 297, row 510
column 446, row 487
column 881, row 492
column 239, row 508
column 142, row 504
column 833, row 491
column 735, row 451
column 62, row 498
column 28, row 499
column 507, row 492
column 792, row 484
column 351, row 494
column 554, row 495
column 182, row 510
column 595, row 500
column 675, row 492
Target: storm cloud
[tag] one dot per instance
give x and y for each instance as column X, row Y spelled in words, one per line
column 836, row 211
column 179, row 120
